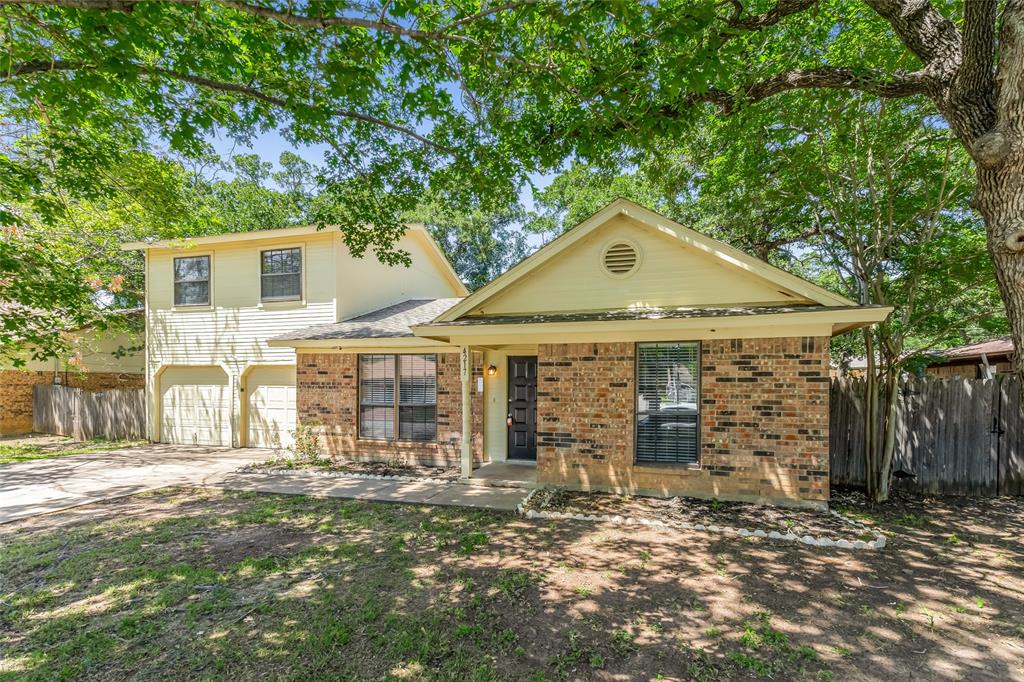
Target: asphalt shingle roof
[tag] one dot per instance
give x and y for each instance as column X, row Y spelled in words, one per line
column 993, row 347
column 386, row 323
column 639, row 314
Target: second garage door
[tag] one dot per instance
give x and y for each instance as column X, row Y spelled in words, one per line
column 271, row 407
column 195, row 406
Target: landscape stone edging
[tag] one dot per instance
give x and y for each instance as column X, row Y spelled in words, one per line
column 342, row 474
column 878, row 543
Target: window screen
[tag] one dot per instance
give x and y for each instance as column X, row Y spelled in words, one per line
column 411, row 410
column 281, row 274
column 667, row 402
column 192, row 280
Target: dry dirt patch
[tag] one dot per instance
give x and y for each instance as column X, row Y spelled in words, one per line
column 317, row 589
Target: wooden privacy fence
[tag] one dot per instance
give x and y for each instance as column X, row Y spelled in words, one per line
column 956, row 436
column 84, row 415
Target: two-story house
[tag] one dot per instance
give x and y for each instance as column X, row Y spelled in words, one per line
column 630, row 354
column 213, row 302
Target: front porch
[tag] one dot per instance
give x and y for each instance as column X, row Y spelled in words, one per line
column 510, row 474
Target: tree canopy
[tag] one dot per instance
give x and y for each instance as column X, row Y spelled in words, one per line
column 460, row 102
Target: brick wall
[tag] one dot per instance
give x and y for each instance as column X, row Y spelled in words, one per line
column 764, row 421
column 16, row 392
column 327, row 389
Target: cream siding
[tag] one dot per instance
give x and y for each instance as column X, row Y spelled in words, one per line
column 669, row 274
column 231, row 333
column 365, row 284
column 112, row 351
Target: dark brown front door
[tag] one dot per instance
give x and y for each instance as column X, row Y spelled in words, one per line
column 522, row 407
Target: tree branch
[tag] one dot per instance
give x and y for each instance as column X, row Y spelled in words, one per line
column 933, row 38
column 286, row 17
column 781, row 10
column 249, row 92
column 976, row 77
column 821, row 78
column 289, row 18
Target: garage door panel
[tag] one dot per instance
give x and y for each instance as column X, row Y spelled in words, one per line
column 271, row 408
column 195, row 406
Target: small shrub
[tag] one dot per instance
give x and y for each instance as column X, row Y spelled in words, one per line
column 470, row 541
column 307, row 440
column 754, row 664
column 623, row 642
column 513, row 583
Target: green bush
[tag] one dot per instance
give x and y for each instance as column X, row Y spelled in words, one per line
column 307, row 441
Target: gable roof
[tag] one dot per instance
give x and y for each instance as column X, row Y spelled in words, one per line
column 418, row 230
column 718, row 250
column 633, row 314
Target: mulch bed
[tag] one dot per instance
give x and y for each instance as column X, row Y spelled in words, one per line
column 343, row 466
column 708, row 512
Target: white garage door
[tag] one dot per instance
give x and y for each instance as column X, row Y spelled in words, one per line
column 271, row 411
column 195, row 406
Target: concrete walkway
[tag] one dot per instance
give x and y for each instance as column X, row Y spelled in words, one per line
column 410, row 492
column 47, row 485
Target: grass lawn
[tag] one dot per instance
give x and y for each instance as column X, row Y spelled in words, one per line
column 28, row 449
column 199, row 584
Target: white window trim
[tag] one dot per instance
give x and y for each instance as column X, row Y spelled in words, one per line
column 285, row 303
column 193, row 306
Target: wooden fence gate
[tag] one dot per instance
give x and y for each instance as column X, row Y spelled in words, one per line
column 956, row 436
column 84, row 415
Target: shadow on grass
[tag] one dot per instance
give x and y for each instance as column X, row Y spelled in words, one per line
column 185, row 583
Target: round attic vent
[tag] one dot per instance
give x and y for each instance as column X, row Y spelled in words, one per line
column 621, row 258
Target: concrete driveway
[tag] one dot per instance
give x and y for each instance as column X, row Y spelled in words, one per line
column 47, row 485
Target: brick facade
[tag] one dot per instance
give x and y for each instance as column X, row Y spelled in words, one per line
column 16, row 392
column 764, row 421
column 327, row 389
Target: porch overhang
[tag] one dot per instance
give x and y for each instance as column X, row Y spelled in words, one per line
column 651, row 326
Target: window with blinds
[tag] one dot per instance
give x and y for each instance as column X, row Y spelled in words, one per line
column 668, row 402
column 398, row 397
column 281, row 274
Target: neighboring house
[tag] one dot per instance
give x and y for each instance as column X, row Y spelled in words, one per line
column 630, row 354
column 973, row 361
column 213, row 302
column 850, row 367
column 97, row 361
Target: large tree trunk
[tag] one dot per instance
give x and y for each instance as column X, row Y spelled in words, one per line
column 999, row 198
column 999, row 157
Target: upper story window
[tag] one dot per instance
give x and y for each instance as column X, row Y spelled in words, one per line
column 192, row 280
column 281, row 274
column 668, row 403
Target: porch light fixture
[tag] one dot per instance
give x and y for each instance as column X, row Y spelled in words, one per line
column 491, row 370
